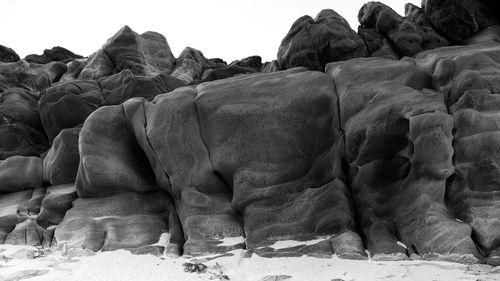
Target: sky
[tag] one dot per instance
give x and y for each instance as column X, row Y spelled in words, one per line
column 227, row 29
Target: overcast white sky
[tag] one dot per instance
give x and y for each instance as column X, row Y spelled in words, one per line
column 228, row 29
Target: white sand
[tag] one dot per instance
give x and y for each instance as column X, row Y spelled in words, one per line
column 121, row 266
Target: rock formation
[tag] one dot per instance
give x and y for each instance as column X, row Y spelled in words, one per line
column 388, row 149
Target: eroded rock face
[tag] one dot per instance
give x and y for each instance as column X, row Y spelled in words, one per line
column 126, row 220
column 214, row 176
column 398, row 139
column 20, row 173
column 468, row 78
column 458, row 20
column 312, row 43
column 145, row 54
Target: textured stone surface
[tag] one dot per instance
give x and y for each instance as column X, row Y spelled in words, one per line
column 254, row 62
column 126, row 220
column 19, row 173
column 409, row 36
column 61, row 161
column 57, row 201
column 219, row 134
column 32, row 76
column 20, row 105
column 468, row 77
column 190, row 65
column 17, row 138
column 66, row 105
column 313, row 43
column 145, row 54
column 398, row 139
column 458, row 19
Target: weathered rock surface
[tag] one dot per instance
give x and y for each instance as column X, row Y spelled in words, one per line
column 190, row 65
column 254, row 62
column 214, row 175
column 409, row 36
column 18, row 138
column 468, row 78
column 458, row 19
column 376, row 44
column 147, row 54
column 31, row 76
column 398, row 139
column 61, row 161
column 8, row 55
column 313, row 43
column 126, row 220
column 74, row 68
column 19, row 173
column 20, row 105
column 57, row 201
column 67, row 104
column 225, row 72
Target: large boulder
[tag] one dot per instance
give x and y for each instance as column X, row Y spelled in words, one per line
column 228, row 152
column 376, row 44
column 254, row 62
column 74, row 68
column 8, row 55
column 60, row 54
column 58, row 199
column 20, row 173
column 313, row 43
column 61, row 161
column 146, row 54
column 458, row 20
column 225, row 72
column 398, row 140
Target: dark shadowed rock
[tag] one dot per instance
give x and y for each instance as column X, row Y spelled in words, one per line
column 146, row 54
column 20, row 105
column 61, row 162
column 431, row 38
column 408, row 37
column 19, row 138
column 20, row 173
column 376, row 44
column 458, row 19
column 226, row 72
column 8, row 55
column 126, row 220
column 398, row 140
column 38, row 59
column 254, row 62
column 313, row 43
column 60, row 54
column 66, row 105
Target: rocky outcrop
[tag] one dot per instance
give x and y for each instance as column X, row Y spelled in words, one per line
column 398, row 139
column 254, row 62
column 458, row 20
column 8, row 55
column 312, row 43
column 468, row 78
column 409, row 36
column 147, row 54
column 376, row 44
column 31, row 76
column 190, row 65
column 212, row 174
column 18, row 173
